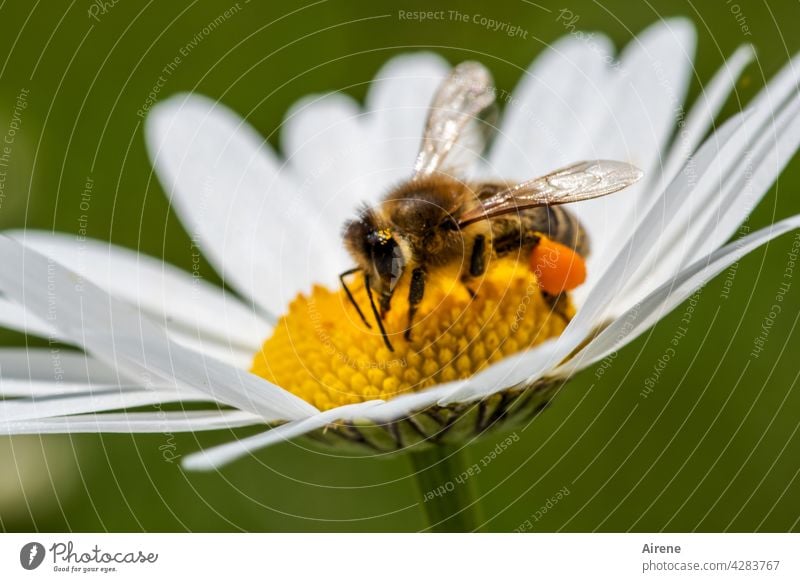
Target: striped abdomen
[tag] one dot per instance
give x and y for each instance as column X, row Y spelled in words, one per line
column 520, row 230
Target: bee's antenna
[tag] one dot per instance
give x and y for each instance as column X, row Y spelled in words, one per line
column 376, row 314
column 350, row 295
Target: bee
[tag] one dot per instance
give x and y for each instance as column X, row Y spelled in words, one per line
column 436, row 219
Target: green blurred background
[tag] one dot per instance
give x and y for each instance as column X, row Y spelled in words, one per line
column 715, row 447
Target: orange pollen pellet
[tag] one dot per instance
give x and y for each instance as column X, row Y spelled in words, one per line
column 557, row 267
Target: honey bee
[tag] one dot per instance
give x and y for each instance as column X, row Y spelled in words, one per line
column 436, row 219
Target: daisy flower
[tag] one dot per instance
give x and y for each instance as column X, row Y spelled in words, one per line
column 281, row 346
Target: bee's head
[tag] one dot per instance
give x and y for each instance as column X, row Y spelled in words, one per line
column 376, row 249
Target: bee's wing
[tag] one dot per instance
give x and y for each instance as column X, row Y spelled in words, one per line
column 454, row 134
column 581, row 181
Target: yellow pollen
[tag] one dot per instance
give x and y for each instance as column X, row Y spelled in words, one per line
column 322, row 351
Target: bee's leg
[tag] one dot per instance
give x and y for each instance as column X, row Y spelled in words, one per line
column 385, row 305
column 558, row 304
column 477, row 263
column 415, row 293
column 350, row 295
column 376, row 314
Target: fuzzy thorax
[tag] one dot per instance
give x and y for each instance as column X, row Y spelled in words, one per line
column 321, row 351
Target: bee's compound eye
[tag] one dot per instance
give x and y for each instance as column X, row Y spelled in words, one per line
column 398, row 264
column 387, row 257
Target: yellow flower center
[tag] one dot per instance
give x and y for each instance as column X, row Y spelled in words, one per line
column 322, row 351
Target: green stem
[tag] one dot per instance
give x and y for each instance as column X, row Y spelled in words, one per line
column 447, row 489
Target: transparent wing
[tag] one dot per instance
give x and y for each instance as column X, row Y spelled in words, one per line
column 581, row 181
column 454, row 134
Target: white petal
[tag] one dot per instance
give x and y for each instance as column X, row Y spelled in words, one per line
column 216, row 457
column 44, row 388
column 117, row 334
column 172, row 296
column 47, row 373
column 745, row 188
column 706, row 161
column 235, row 199
column 100, row 398
column 660, row 302
column 233, row 355
column 54, row 365
column 654, row 74
column 656, row 69
column 709, row 164
column 397, row 105
column 13, row 316
column 135, row 422
column 332, row 151
column 687, row 220
column 550, row 119
column 705, row 109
